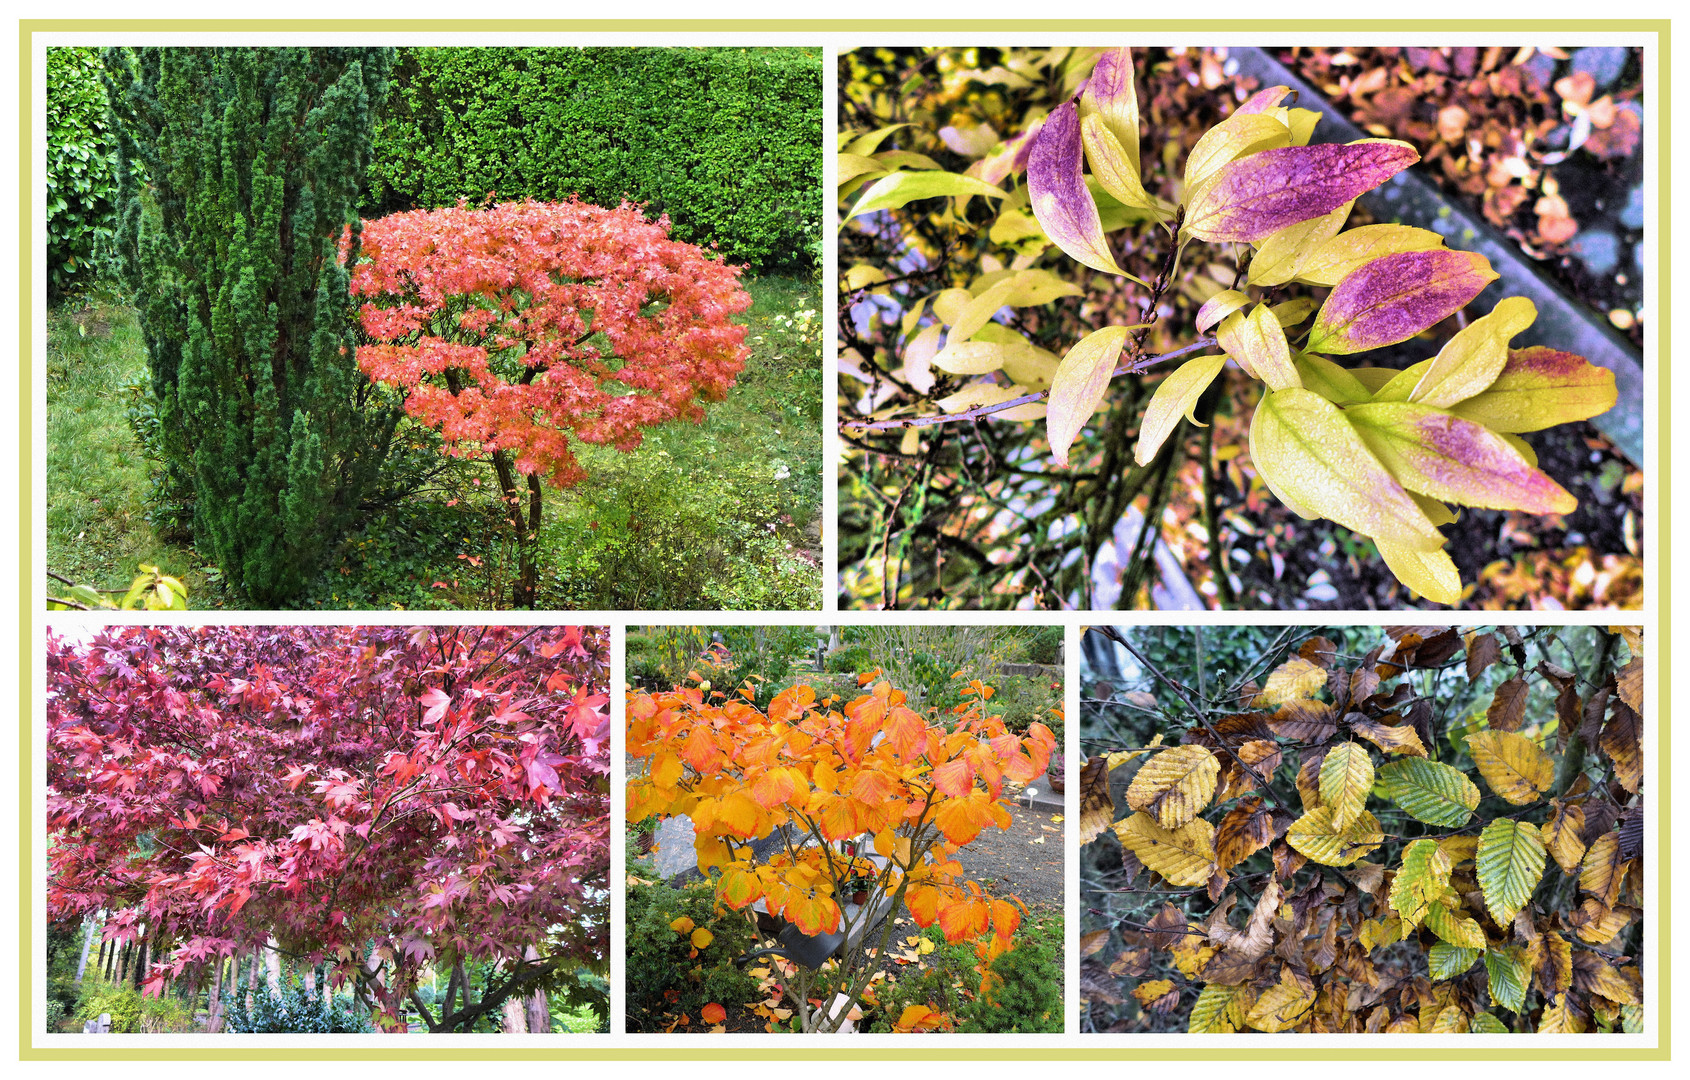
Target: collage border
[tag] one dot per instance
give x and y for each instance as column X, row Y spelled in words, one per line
column 834, row 35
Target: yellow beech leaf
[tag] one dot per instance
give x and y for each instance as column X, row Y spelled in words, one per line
column 1562, row 834
column 1346, row 778
column 1315, row 836
column 1219, row 1009
column 1514, row 766
column 701, row 938
column 1258, row 343
column 1475, row 356
column 1346, row 251
column 1603, row 871
column 1596, row 923
column 1283, row 1005
column 1557, row 1019
column 1147, row 992
column 1308, row 453
column 1280, row 257
column 1078, row 386
column 1175, row 396
column 1175, row 785
column 682, row 925
column 1454, row 927
column 1185, row 856
column 1293, row 680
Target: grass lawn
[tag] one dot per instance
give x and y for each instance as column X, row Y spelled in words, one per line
column 724, row 514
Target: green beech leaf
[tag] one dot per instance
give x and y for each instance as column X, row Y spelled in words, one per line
column 1306, row 449
column 1445, row 457
column 1455, row 928
column 1421, row 881
column 891, row 192
column 1078, row 385
column 1510, row 864
column 1509, row 975
column 1485, row 1023
column 1175, row 396
column 1430, row 791
column 1446, row 961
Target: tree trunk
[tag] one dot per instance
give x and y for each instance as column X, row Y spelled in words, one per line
column 539, row 1008
column 527, row 532
column 328, row 988
column 87, row 942
column 251, row 980
column 214, row 1002
column 515, row 1022
column 123, row 964
column 143, row 956
column 273, row 967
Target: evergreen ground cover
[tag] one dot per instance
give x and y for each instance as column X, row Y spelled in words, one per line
column 721, row 514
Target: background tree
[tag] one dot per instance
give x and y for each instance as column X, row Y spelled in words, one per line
column 361, row 802
column 239, row 170
column 513, row 329
column 1431, row 830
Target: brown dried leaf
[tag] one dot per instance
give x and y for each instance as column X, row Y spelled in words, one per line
column 1508, row 708
column 1595, row 923
column 1622, row 741
column 1097, row 807
column 1247, row 828
column 1304, row 722
column 1093, row 941
column 1318, row 651
column 1630, row 680
column 1554, row 967
column 1482, row 652
column 1401, row 739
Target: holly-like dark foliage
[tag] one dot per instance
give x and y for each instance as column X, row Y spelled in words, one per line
column 239, row 169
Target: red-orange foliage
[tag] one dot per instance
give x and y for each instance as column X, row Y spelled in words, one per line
column 515, row 328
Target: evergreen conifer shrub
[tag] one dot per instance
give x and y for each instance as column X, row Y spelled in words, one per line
column 239, row 169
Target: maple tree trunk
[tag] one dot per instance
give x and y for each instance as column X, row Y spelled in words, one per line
column 87, row 942
column 214, row 1003
column 273, row 967
column 143, row 953
column 516, row 1021
column 251, row 979
column 527, row 530
column 539, row 1009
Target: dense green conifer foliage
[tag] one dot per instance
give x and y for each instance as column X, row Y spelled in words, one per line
column 239, row 171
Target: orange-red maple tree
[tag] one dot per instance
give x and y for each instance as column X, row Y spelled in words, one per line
column 917, row 788
column 515, row 328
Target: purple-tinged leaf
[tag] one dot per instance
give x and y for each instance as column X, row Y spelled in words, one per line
column 1311, row 456
column 1449, row 458
column 1394, row 298
column 1264, row 100
column 1254, row 197
column 1347, row 251
column 1237, row 136
column 1110, row 94
column 1065, row 209
column 1539, row 388
column 1011, row 159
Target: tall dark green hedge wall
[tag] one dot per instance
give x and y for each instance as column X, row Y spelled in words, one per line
column 727, row 141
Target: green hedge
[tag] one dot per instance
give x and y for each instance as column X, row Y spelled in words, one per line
column 726, row 141
column 81, row 169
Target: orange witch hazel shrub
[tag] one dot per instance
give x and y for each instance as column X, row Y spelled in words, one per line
column 515, row 328
column 874, row 777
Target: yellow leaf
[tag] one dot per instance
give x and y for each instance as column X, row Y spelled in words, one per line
column 1475, row 356
column 1258, row 343
column 1346, row 778
column 1175, row 396
column 1293, row 680
column 1280, row 257
column 682, row 925
column 1079, row 384
column 1514, row 766
column 1185, row 856
column 1315, row 836
column 701, row 938
column 1175, row 785
column 1346, row 251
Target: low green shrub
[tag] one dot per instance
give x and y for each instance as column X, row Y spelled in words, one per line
column 1046, row 646
column 295, row 1010
column 1026, row 995
column 850, row 660
column 130, row 1010
column 666, row 975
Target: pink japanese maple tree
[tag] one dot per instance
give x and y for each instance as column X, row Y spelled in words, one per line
column 368, row 799
column 513, row 329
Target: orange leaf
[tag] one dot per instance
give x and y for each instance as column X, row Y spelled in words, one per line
column 713, row 1013
column 954, row 778
column 701, row 752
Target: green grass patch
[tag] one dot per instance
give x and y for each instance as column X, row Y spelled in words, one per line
column 723, row 514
